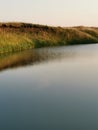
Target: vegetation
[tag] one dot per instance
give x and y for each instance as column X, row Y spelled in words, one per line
column 21, row 36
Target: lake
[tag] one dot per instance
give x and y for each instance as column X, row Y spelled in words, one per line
column 50, row 89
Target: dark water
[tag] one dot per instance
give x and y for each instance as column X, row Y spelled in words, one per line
column 50, row 89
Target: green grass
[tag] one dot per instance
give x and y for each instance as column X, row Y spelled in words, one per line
column 22, row 36
column 13, row 42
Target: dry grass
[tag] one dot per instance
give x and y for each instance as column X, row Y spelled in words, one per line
column 20, row 36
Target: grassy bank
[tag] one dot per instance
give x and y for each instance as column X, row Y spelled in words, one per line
column 21, row 36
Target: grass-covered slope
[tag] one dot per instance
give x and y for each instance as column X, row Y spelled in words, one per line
column 21, row 36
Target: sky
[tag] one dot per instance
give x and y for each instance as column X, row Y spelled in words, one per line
column 50, row 12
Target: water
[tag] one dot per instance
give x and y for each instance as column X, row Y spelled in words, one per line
column 50, row 89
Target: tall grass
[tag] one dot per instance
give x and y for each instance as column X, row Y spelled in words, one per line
column 21, row 36
column 10, row 42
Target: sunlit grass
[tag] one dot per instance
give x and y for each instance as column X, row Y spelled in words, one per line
column 21, row 36
column 10, row 42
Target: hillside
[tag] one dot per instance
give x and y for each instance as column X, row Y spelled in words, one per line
column 21, row 36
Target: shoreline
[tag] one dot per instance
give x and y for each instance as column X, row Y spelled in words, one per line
column 23, row 36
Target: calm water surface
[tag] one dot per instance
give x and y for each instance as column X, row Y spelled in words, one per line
column 50, row 89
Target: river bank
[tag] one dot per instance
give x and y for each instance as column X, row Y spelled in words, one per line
column 21, row 36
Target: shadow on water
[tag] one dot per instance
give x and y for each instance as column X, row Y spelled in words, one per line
column 31, row 57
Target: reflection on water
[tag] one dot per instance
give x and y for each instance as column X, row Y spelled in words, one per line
column 32, row 57
column 50, row 89
column 37, row 56
column 26, row 58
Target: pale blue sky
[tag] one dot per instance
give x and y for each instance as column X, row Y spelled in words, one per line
column 51, row 12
